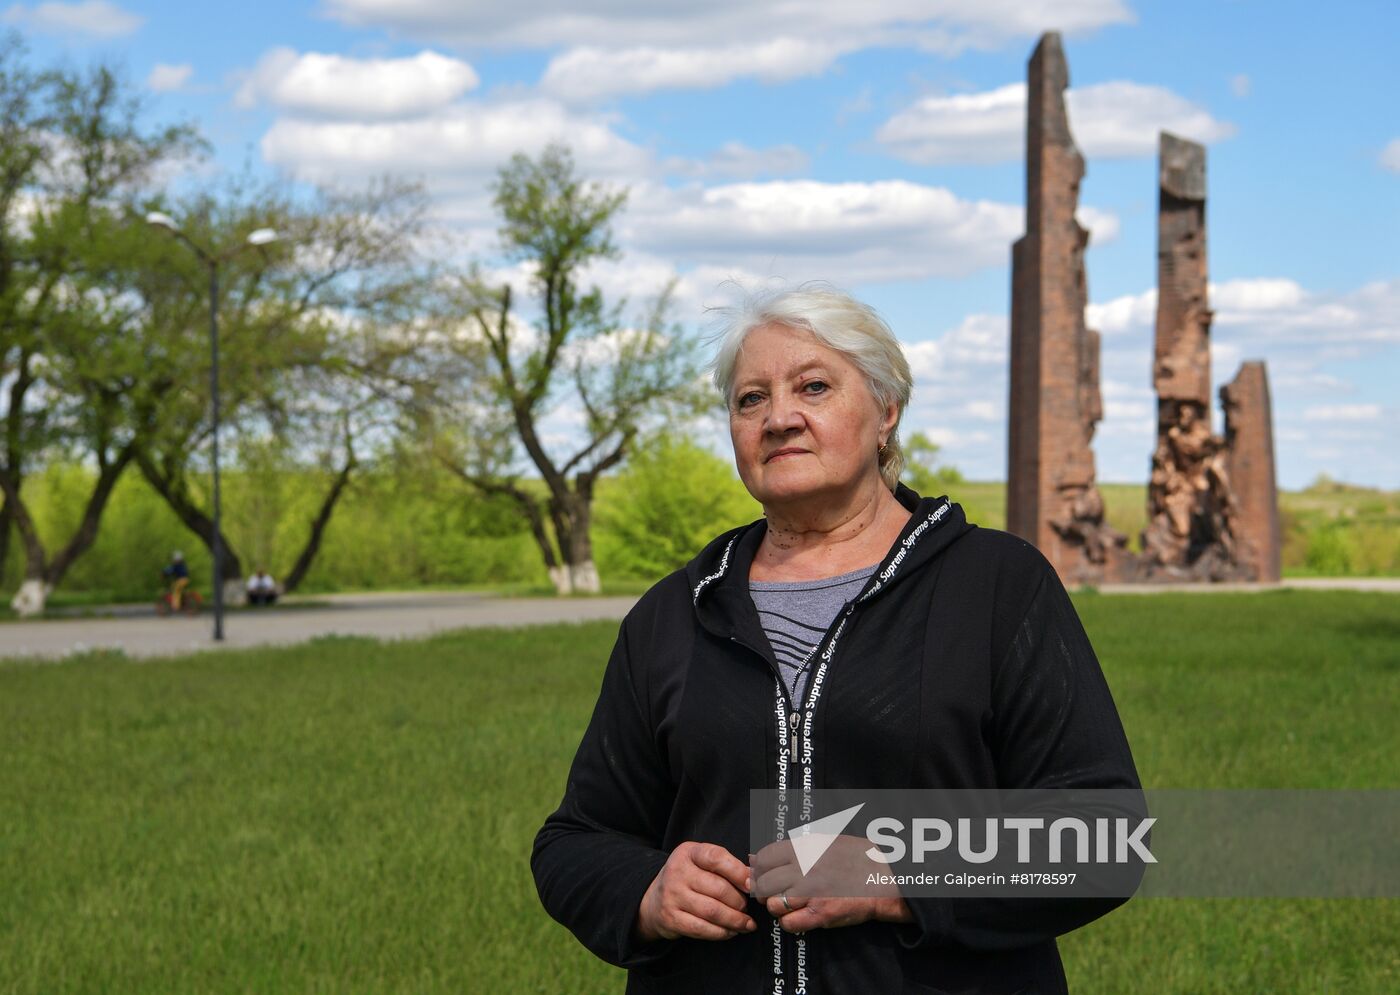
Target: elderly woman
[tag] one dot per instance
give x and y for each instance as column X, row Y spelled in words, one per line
column 859, row 635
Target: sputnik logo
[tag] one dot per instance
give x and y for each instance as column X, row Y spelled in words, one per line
column 812, row 839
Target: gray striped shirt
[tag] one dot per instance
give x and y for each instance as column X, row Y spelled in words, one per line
column 796, row 614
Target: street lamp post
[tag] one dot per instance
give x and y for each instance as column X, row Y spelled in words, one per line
column 212, row 261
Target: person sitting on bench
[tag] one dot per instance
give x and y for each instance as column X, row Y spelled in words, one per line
column 262, row 589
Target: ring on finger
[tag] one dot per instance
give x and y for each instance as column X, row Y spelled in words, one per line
column 783, row 896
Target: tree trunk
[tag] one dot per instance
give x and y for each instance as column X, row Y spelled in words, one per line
column 193, row 518
column 318, row 528
column 6, row 520
column 559, row 574
column 562, row 579
column 585, row 577
column 42, row 575
column 583, row 573
column 86, row 533
column 30, row 599
column 33, row 590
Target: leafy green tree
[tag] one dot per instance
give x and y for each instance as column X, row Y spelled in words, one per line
column 619, row 377
column 922, row 471
column 672, row 498
column 319, row 338
column 75, row 152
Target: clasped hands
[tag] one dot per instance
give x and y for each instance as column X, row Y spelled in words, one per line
column 703, row 890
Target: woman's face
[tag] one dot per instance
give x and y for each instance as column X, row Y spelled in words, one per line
column 803, row 421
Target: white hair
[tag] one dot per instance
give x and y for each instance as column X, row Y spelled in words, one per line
column 840, row 322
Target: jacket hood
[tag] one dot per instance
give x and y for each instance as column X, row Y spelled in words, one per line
column 719, row 575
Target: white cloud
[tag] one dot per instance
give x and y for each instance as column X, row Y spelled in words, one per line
column 1122, row 119
column 1101, row 225
column 638, row 277
column 677, row 23
column 967, row 127
column 1245, row 296
column 1281, row 312
column 1342, row 412
column 1115, row 410
column 628, row 46
column 1118, row 119
column 1273, row 311
column 1390, row 156
column 959, row 397
column 805, row 229
column 1298, row 381
column 98, row 18
column 1241, row 85
column 318, row 84
column 167, row 78
column 1123, row 314
column 586, row 74
column 457, row 148
column 1225, row 356
column 1121, row 390
column 795, row 229
column 962, row 357
column 735, row 160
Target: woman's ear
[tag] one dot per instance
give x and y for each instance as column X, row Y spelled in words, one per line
column 891, row 419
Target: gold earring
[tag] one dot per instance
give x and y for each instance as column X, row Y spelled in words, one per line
column 883, row 447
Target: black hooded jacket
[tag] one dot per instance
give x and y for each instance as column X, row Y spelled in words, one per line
column 962, row 664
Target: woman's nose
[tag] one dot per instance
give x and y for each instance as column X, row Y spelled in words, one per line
column 783, row 413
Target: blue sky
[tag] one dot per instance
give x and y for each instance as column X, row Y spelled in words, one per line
column 873, row 145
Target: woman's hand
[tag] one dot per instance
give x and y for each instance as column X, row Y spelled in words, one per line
column 700, row 893
column 831, row 893
column 829, row 913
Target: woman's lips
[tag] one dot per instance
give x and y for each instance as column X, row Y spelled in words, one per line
column 791, row 452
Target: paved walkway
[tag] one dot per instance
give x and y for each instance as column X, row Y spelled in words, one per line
column 137, row 631
column 1387, row 585
column 383, row 616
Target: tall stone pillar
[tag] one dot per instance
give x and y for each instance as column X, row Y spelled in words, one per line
column 1181, row 361
column 1191, row 507
column 1249, row 458
column 1055, row 402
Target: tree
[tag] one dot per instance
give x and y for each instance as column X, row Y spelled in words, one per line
column 318, row 346
column 74, row 152
column 672, row 498
column 617, row 376
column 922, row 471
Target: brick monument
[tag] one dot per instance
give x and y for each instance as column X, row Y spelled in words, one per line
column 1212, row 501
column 1197, row 518
column 1052, row 499
column 1249, row 447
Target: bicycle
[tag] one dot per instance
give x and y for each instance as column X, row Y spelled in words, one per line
column 190, row 602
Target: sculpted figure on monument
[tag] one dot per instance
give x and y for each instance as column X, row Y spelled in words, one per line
column 1081, row 521
column 1193, row 505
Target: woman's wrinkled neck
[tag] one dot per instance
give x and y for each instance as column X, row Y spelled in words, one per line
column 817, row 538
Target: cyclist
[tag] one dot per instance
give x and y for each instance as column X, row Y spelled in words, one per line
column 178, row 573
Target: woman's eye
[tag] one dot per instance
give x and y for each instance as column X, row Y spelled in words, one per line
column 818, row 384
column 744, row 401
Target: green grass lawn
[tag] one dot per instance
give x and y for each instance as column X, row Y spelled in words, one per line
column 351, row 816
